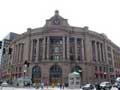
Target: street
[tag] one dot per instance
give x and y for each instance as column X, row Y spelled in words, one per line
column 50, row 88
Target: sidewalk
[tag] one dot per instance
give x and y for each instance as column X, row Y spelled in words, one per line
column 31, row 88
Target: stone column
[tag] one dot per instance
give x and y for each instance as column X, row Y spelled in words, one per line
column 31, row 54
column 43, row 45
column 76, row 54
column 103, row 54
column 63, row 39
column 37, row 50
column 96, row 53
column 82, row 47
column 17, row 60
column 113, row 61
column 20, row 51
column 15, row 56
column 48, row 40
column 68, row 48
column 29, row 44
column 100, row 52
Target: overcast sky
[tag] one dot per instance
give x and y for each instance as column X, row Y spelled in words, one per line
column 102, row 16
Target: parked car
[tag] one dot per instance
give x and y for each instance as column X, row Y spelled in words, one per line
column 4, row 84
column 117, row 82
column 88, row 87
column 117, row 85
column 117, row 79
column 105, row 85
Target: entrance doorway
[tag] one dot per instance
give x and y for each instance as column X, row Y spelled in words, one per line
column 36, row 74
column 78, row 69
column 55, row 74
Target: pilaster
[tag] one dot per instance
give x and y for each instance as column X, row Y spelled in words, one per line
column 63, row 38
column 44, row 47
column 82, row 46
column 68, row 48
column 48, row 40
column 76, row 54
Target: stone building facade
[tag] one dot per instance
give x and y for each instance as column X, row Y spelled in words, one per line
column 57, row 49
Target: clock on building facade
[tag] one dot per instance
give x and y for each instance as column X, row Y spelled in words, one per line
column 56, row 21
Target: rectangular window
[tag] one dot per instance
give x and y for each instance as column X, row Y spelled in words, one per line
column 72, row 58
column 109, row 49
column 100, row 68
column 78, row 41
column 96, row 69
column 79, row 58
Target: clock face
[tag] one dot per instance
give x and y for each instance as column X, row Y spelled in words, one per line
column 56, row 21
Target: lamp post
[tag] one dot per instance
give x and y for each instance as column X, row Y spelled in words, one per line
column 80, row 71
column 105, row 75
column 25, row 70
column 26, row 65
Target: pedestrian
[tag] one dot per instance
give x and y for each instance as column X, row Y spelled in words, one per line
column 42, row 85
column 63, row 85
column 47, row 84
column 97, row 85
column 53, row 85
column 60, row 85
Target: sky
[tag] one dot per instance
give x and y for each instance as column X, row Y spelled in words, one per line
column 102, row 16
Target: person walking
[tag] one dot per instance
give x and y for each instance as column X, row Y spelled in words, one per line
column 42, row 85
column 97, row 85
column 63, row 85
column 60, row 85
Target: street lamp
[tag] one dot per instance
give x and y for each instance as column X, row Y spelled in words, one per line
column 25, row 70
column 26, row 65
column 79, row 71
column 104, row 73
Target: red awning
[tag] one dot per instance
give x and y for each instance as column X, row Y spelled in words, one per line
column 97, row 73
